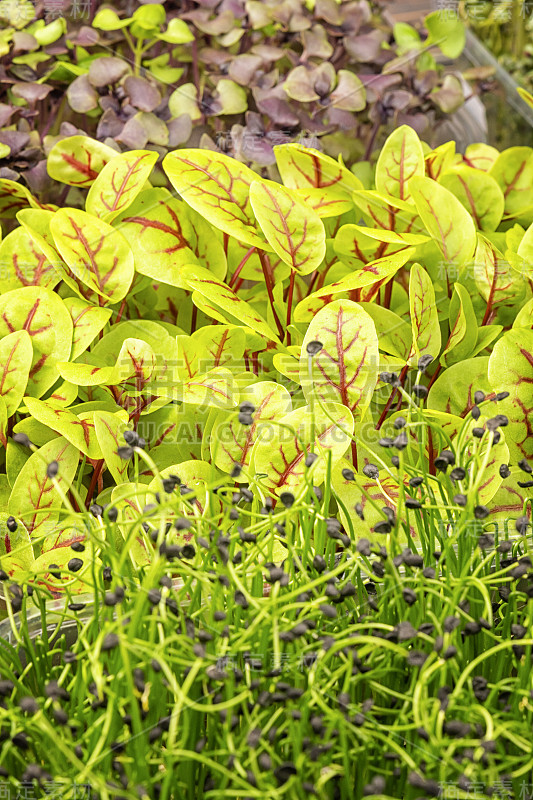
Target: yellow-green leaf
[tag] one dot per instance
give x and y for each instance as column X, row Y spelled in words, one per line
column 346, row 368
column 214, row 290
column 166, row 234
column 41, row 313
column 282, row 446
column 218, row 187
column 446, row 219
column 295, row 232
column 119, row 183
column 424, row 317
column 95, row 252
column 16, row 356
column 78, row 160
column 401, row 159
column 34, row 498
column 325, row 184
column 232, row 442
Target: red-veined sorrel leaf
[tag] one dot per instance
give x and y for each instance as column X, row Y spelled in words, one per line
column 36, row 222
column 16, row 551
column 48, row 565
column 63, row 395
column 463, row 327
column 346, row 369
column 218, row 188
column 394, row 333
column 196, row 476
column 231, row 442
column 153, row 333
column 309, row 307
column 440, row 160
column 64, row 536
column 78, row 160
column 453, row 391
column 325, row 184
column 478, row 192
column 136, row 365
column 511, row 370
column 166, row 455
column 95, row 252
column 288, row 363
column 388, row 212
column 524, row 318
column 166, row 234
column 36, row 432
column 524, row 268
column 401, row 158
column 88, row 321
column 480, row 156
column 43, row 315
column 16, row 356
column 214, row 389
column 508, row 502
column 446, row 219
column 391, row 237
column 513, row 172
column 14, row 197
column 294, row 231
column 485, row 336
column 81, row 374
column 109, row 429
column 119, row 183
column 214, row 290
column 355, row 247
column 22, row 263
column 78, row 431
column 176, row 428
column 34, row 498
column 3, row 422
column 193, row 358
column 16, row 457
column 495, row 278
column 223, row 346
column 211, row 311
column 370, row 273
column 349, row 492
column 424, row 317
column 282, row 446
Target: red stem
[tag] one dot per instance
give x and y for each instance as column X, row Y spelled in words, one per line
column 312, row 282
column 354, row 455
column 98, row 467
column 73, row 501
column 434, row 376
column 490, row 301
column 121, row 310
column 265, row 264
column 388, row 295
column 241, row 265
column 431, row 454
column 289, row 304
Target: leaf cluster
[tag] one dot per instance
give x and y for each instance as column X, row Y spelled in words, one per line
column 237, row 328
